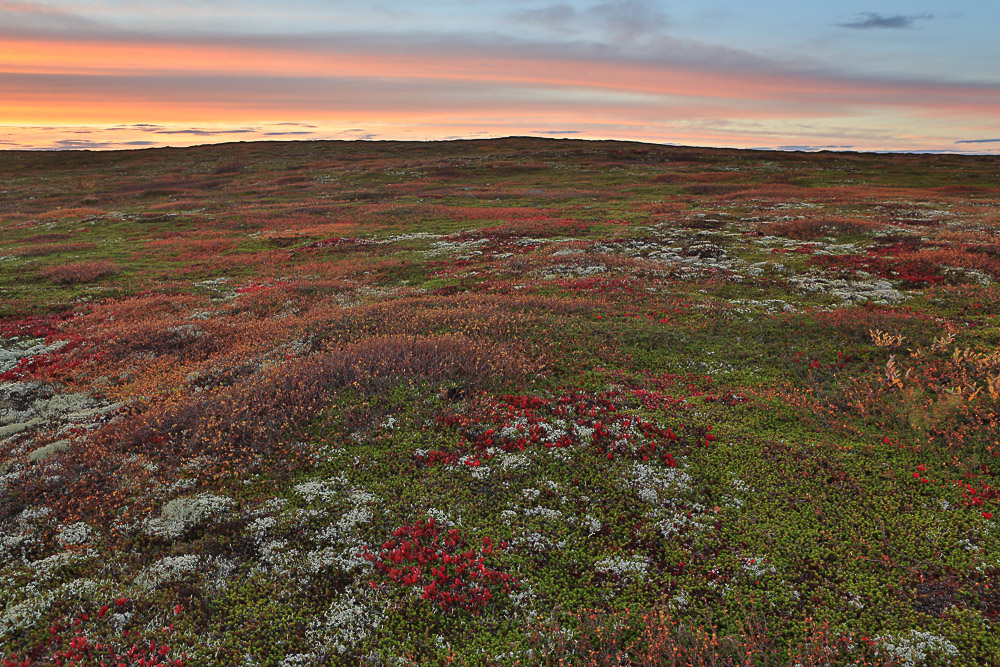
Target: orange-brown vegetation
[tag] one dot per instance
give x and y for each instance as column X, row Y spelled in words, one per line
column 77, row 273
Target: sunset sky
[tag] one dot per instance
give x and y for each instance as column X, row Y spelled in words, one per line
column 868, row 75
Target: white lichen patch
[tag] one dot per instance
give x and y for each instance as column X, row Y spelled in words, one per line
column 652, row 484
column 33, row 514
column 358, row 512
column 168, row 569
column 680, row 521
column 755, row 566
column 570, row 271
column 348, row 621
column 182, row 514
column 320, row 490
column 538, row 543
column 442, row 519
column 857, row 292
column 73, row 534
column 544, row 512
column 260, row 527
column 634, row 566
column 514, row 461
column 918, row 648
column 334, row 530
column 472, row 465
column 592, row 525
column 27, row 613
column 29, row 405
column 13, row 546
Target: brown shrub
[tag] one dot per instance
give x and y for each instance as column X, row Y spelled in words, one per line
column 543, row 227
column 659, row 207
column 377, row 363
column 177, row 205
column 966, row 190
column 79, row 272
column 499, row 318
column 235, row 428
column 164, row 187
column 776, row 192
column 293, row 180
column 77, row 212
column 700, row 177
column 670, row 178
column 229, row 167
column 657, row 639
column 511, row 168
column 189, row 248
column 46, row 238
column 814, row 228
column 713, row 188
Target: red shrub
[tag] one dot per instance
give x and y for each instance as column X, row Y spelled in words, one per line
column 453, row 576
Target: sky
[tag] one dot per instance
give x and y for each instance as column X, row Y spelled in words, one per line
column 868, row 75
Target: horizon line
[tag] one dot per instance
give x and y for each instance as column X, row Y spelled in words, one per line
column 770, row 149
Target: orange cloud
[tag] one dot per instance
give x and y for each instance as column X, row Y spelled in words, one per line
column 63, row 56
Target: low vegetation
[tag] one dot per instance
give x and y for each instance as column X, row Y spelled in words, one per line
column 513, row 402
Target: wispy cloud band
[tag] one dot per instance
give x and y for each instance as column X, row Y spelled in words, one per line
column 870, row 20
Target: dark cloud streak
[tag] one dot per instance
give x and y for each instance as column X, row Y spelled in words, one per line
column 624, row 21
column 33, row 16
column 627, row 20
column 811, row 148
column 205, row 133
column 869, row 20
column 557, row 16
column 81, row 144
